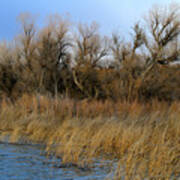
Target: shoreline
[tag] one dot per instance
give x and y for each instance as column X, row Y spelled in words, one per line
column 140, row 137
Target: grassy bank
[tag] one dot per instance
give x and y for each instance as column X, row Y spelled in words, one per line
column 86, row 96
column 143, row 137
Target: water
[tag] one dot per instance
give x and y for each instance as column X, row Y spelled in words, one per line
column 29, row 162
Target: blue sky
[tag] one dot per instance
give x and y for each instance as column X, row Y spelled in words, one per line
column 112, row 15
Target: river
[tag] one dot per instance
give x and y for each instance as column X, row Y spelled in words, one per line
column 29, row 162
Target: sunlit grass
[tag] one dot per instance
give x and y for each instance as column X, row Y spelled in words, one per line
column 143, row 137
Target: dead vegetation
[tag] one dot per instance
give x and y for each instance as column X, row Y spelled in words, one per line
column 61, row 61
column 56, row 89
column 143, row 138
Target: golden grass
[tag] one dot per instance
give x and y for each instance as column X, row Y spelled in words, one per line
column 144, row 138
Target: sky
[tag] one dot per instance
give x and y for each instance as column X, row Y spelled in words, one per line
column 111, row 15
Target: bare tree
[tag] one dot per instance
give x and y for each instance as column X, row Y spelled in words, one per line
column 125, row 51
column 163, row 32
column 164, row 29
column 27, row 22
column 120, row 49
column 52, row 51
column 90, row 48
column 138, row 38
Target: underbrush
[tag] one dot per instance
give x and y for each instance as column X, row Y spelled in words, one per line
column 78, row 62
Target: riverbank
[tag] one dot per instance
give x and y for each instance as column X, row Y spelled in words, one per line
column 143, row 137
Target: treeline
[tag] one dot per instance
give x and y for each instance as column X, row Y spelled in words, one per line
column 62, row 60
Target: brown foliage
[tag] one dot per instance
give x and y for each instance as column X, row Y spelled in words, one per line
column 57, row 61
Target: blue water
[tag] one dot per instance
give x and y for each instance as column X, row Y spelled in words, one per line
column 29, row 162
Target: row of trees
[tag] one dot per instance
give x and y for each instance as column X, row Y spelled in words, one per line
column 83, row 64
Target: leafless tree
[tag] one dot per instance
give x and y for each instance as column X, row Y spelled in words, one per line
column 52, row 51
column 120, row 49
column 90, row 48
column 163, row 30
column 27, row 22
column 160, row 38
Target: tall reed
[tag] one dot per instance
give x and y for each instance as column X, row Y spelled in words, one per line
column 144, row 138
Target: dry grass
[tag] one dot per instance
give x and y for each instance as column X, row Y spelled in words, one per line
column 144, row 138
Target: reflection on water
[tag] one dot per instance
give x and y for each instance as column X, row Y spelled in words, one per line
column 24, row 162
